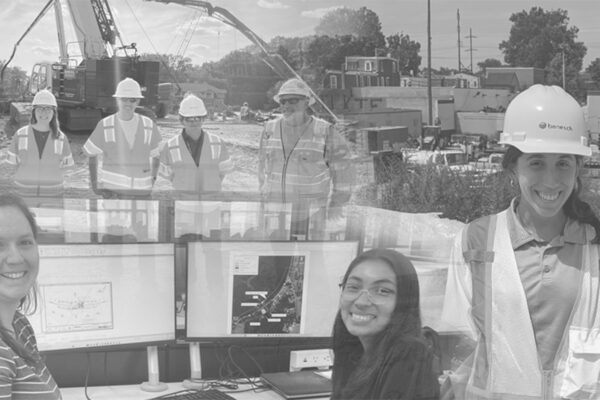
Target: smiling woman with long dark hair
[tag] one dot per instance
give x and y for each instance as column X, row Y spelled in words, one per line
column 377, row 342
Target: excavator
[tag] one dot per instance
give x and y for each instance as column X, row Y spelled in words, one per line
column 84, row 85
column 272, row 59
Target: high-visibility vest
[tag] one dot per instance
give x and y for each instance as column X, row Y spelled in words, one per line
column 506, row 364
column 304, row 173
column 37, row 176
column 178, row 166
column 122, row 168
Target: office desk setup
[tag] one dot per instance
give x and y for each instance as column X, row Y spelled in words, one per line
column 133, row 392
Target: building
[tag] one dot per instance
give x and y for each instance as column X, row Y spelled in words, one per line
column 524, row 77
column 249, row 80
column 360, row 71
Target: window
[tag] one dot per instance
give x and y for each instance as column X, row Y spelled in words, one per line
column 387, row 81
column 365, row 80
column 333, row 81
column 351, row 65
column 368, row 66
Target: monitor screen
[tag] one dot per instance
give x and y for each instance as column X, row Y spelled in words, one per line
column 264, row 289
column 104, row 295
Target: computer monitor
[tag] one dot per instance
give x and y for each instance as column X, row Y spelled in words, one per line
column 105, row 295
column 264, row 289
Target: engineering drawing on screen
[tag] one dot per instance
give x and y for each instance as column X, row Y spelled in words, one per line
column 76, row 307
column 267, row 293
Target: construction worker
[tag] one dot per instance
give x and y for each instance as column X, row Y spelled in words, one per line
column 244, row 112
column 123, row 148
column 523, row 283
column 40, row 152
column 194, row 161
column 302, row 159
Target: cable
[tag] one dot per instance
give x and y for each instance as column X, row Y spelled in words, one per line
column 87, row 375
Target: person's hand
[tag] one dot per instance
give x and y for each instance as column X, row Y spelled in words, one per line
column 335, row 212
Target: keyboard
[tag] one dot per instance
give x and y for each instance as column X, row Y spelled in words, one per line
column 192, row 394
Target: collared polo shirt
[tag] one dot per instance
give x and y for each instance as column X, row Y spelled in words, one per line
column 194, row 146
column 551, row 275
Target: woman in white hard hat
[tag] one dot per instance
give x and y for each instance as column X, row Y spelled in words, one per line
column 40, row 152
column 523, row 284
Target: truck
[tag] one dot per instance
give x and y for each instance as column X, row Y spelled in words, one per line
column 84, row 84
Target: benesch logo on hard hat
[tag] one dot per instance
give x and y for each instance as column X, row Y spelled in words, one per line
column 544, row 125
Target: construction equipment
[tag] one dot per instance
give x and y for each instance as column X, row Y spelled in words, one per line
column 84, row 85
column 272, row 59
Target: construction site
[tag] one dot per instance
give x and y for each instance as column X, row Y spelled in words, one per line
column 231, row 269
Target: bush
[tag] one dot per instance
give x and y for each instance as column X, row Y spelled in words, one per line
column 458, row 195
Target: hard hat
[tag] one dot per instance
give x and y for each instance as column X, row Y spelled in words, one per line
column 295, row 87
column 546, row 119
column 192, row 106
column 44, row 98
column 128, row 88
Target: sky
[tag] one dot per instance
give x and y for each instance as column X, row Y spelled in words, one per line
column 176, row 29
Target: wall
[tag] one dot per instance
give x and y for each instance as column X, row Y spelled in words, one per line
column 489, row 124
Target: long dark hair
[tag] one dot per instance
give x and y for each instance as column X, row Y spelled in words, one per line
column 353, row 370
column 28, row 304
column 54, row 125
column 574, row 208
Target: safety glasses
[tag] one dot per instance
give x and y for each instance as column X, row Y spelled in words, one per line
column 193, row 119
column 292, row 101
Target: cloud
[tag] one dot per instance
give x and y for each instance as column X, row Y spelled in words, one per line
column 272, row 4
column 318, row 13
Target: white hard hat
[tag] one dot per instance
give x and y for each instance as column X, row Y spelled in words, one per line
column 44, row 98
column 295, row 87
column 192, row 106
column 546, row 119
column 128, row 88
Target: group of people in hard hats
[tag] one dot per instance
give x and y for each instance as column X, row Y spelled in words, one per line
column 300, row 156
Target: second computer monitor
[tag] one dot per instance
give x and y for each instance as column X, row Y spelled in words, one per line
column 264, row 289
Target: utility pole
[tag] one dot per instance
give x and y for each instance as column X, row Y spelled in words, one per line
column 429, row 100
column 562, row 48
column 458, row 31
column 471, row 49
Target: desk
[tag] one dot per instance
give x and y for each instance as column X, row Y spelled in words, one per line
column 133, row 392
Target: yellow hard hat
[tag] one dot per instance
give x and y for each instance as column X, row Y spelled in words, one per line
column 192, row 106
column 128, row 88
column 295, row 87
column 44, row 98
column 546, row 119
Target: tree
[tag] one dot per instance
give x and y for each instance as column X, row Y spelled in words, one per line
column 538, row 38
column 172, row 67
column 406, row 51
column 488, row 63
column 594, row 70
column 361, row 23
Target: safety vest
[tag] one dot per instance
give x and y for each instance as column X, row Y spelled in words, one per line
column 177, row 165
column 122, row 168
column 304, row 173
column 37, row 176
column 506, row 364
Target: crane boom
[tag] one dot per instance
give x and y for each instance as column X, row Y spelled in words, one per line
column 272, row 59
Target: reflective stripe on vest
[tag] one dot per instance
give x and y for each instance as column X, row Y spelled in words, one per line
column 126, row 182
column 109, row 129
column 506, row 363
column 148, row 124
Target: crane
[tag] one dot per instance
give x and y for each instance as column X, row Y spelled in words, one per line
column 272, row 59
column 84, row 89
